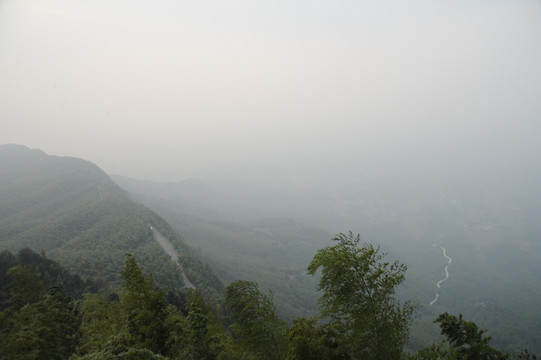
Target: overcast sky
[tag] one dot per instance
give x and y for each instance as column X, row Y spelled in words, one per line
column 170, row 89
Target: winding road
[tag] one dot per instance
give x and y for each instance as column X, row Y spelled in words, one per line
column 449, row 260
column 168, row 247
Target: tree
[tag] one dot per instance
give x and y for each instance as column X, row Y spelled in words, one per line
column 46, row 329
column 202, row 331
column 59, row 324
column 466, row 339
column 358, row 298
column 309, row 340
column 102, row 320
column 26, row 288
column 255, row 324
column 145, row 308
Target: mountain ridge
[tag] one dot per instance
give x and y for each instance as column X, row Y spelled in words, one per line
column 72, row 210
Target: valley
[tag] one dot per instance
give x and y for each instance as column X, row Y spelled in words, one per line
column 227, row 222
column 270, row 180
column 233, row 231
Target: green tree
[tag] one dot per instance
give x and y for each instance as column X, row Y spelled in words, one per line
column 178, row 343
column 59, row 324
column 202, row 336
column 145, row 309
column 46, row 329
column 309, row 340
column 358, row 297
column 26, row 288
column 466, row 340
column 255, row 324
column 102, row 319
column 440, row 351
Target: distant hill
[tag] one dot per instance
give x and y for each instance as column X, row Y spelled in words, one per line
column 71, row 210
column 237, row 241
column 488, row 223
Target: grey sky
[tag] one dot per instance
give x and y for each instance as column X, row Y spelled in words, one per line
column 168, row 90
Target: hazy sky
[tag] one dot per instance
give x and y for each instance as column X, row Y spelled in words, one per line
column 171, row 89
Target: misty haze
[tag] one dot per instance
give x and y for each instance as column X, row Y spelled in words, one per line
column 239, row 139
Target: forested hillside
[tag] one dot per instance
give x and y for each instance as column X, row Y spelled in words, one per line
column 72, row 211
column 254, row 246
column 488, row 224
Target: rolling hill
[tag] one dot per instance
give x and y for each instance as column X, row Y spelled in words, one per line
column 71, row 210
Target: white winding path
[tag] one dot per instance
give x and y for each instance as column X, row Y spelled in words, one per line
column 168, row 247
column 449, row 260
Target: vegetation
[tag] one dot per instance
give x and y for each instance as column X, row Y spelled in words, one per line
column 273, row 251
column 487, row 222
column 358, row 297
column 71, row 210
column 255, row 324
column 141, row 322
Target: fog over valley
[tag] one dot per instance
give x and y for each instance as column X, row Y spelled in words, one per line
column 241, row 136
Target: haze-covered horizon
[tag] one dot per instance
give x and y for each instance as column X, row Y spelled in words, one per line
column 171, row 90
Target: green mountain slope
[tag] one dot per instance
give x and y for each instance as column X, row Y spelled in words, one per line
column 256, row 246
column 489, row 228
column 70, row 209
